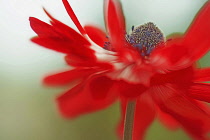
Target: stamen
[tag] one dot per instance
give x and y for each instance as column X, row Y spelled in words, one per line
column 107, row 45
column 132, row 28
column 145, row 38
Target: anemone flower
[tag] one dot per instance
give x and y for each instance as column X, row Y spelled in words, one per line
column 149, row 74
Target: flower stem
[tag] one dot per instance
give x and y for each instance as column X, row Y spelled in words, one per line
column 129, row 119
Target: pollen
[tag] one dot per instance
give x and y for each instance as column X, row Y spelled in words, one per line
column 145, row 38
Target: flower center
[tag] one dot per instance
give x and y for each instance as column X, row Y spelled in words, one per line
column 145, row 38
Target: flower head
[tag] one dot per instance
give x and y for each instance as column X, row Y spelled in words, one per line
column 160, row 74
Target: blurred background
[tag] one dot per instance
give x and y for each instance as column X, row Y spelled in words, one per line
column 27, row 108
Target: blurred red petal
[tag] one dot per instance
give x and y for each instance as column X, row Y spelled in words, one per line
column 144, row 115
column 99, row 87
column 185, row 110
column 80, row 100
column 200, row 91
column 61, row 38
column 54, row 43
column 192, row 46
column 67, row 31
column 80, row 42
column 41, row 28
column 168, row 120
column 76, row 61
column 66, row 77
column 202, row 75
column 180, row 78
column 96, row 34
column 64, row 45
column 172, row 56
column 131, row 90
column 73, row 17
column 115, row 22
column 197, row 37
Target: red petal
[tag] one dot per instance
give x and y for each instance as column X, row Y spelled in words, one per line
column 76, row 61
column 53, row 43
column 131, row 90
column 197, row 37
column 61, row 38
column 181, row 78
column 168, row 120
column 100, row 86
column 66, row 77
column 200, row 91
column 96, row 34
column 67, row 31
column 80, row 100
column 73, row 17
column 173, row 56
column 64, row 45
column 202, row 75
column 115, row 22
column 144, row 115
column 173, row 101
column 193, row 45
column 41, row 28
column 80, row 42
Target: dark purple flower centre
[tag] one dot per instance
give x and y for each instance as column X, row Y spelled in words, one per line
column 145, row 38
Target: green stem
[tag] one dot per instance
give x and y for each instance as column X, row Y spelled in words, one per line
column 129, row 119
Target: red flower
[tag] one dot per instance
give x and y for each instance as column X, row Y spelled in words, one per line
column 160, row 75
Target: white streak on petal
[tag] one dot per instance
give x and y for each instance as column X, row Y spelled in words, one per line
column 123, row 70
column 101, row 54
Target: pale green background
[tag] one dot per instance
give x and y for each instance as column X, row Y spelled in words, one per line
column 27, row 109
